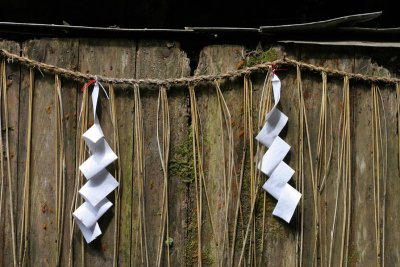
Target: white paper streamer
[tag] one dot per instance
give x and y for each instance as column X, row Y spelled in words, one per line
column 100, row 182
column 272, row 162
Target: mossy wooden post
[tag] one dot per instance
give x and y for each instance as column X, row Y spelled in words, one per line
column 215, row 244
column 113, row 58
column 162, row 59
column 341, row 59
column 13, row 81
column 43, row 235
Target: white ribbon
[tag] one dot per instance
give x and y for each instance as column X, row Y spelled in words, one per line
column 272, row 162
column 100, row 182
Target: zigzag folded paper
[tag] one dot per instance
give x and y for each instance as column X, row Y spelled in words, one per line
column 100, row 182
column 272, row 162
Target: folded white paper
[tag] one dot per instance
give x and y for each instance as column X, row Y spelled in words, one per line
column 100, row 182
column 276, row 88
column 278, row 179
column 91, row 233
column 274, row 155
column 101, row 157
column 272, row 128
column 103, row 182
column 272, row 163
column 287, row 203
column 88, row 214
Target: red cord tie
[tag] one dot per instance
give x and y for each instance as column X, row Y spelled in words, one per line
column 275, row 68
column 86, row 85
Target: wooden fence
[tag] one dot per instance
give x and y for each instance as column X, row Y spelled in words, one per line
column 214, row 214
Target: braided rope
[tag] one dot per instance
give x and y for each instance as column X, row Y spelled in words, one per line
column 335, row 72
column 83, row 77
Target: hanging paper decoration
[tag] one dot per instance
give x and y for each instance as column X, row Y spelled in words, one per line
column 100, row 182
column 272, row 162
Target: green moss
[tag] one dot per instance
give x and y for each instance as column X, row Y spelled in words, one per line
column 191, row 239
column 169, row 242
column 260, row 56
column 354, row 256
column 207, row 257
column 191, row 247
column 181, row 165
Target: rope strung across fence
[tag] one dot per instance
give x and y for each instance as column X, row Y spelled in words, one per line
column 83, row 77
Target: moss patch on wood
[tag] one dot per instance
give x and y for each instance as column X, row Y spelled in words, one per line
column 181, row 165
column 260, row 56
column 354, row 256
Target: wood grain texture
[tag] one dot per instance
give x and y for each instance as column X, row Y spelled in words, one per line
column 124, row 107
column 364, row 230
column 214, row 60
column 13, row 81
column 69, row 95
column 363, row 234
column 380, row 63
column 43, row 231
column 280, row 238
column 111, row 58
column 159, row 59
column 391, row 236
column 341, row 59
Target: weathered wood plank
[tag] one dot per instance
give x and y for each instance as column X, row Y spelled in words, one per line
column 387, row 65
column 163, row 60
column 363, row 239
column 22, row 148
column 124, row 107
column 215, row 243
column 342, row 59
column 280, row 238
column 43, row 226
column 112, row 58
column 380, row 63
column 392, row 201
column 69, row 95
column 13, row 81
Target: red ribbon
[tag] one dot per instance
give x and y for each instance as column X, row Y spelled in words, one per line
column 275, row 69
column 86, row 85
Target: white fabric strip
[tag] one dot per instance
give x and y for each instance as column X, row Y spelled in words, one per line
column 100, row 182
column 272, row 162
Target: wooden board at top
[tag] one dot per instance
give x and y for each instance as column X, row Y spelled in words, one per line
column 324, row 24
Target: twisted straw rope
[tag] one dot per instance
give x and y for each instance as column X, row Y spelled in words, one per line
column 83, row 77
